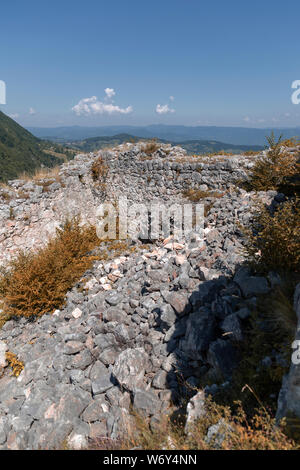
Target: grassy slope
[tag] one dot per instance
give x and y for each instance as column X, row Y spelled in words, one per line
column 20, row 151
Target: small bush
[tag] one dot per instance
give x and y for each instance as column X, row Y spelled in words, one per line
column 150, row 147
column 99, row 170
column 6, row 196
column 274, row 169
column 274, row 241
column 16, row 365
column 36, row 283
column 293, row 142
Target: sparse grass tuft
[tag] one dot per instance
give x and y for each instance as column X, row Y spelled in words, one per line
column 293, row 142
column 196, row 195
column 42, row 173
column 150, row 147
column 16, row 365
column 6, row 196
column 99, row 170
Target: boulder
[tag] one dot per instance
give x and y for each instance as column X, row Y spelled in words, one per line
column 146, row 402
column 129, row 368
column 195, row 409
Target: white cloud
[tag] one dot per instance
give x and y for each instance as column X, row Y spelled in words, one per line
column 110, row 92
column 246, row 119
column 164, row 109
column 171, row 98
column 93, row 105
column 32, row 111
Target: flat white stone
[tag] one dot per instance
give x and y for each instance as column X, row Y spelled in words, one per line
column 76, row 313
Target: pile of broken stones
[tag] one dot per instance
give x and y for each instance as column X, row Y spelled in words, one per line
column 139, row 334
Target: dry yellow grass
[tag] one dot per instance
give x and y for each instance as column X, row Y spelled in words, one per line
column 42, row 173
column 16, row 365
column 150, row 147
column 196, row 195
column 236, row 432
column 99, row 170
column 36, row 283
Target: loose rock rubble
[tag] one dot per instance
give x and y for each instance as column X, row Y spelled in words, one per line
column 138, row 331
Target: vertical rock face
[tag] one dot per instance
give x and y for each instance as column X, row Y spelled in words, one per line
column 289, row 396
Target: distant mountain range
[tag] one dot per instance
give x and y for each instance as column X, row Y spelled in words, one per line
column 229, row 135
column 192, row 146
column 24, row 150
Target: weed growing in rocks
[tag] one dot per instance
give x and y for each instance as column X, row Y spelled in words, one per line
column 274, row 242
column 273, row 169
column 196, row 195
column 6, row 196
column 99, row 170
column 290, row 142
column 150, row 147
column 16, row 365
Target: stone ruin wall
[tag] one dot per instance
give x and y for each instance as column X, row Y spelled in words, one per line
column 30, row 211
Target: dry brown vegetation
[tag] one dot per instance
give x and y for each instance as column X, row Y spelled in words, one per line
column 236, row 432
column 42, row 173
column 36, row 283
column 250, row 153
column 99, row 170
column 14, row 363
column 273, row 170
column 290, row 142
column 196, row 195
column 274, row 240
column 6, row 196
column 150, row 147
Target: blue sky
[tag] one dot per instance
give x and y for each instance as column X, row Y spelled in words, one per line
column 221, row 62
